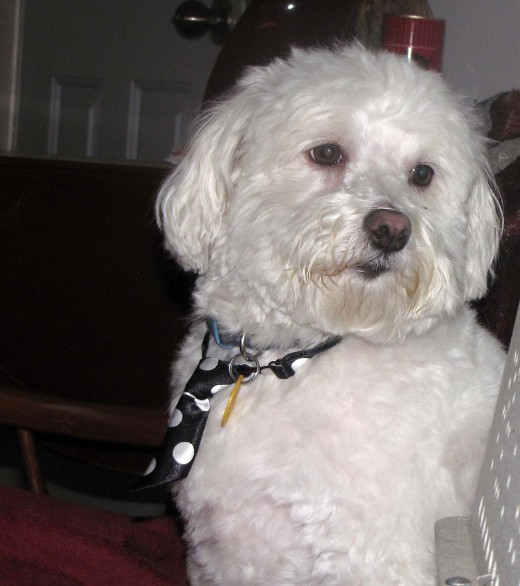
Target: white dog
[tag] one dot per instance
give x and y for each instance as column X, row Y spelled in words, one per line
column 337, row 202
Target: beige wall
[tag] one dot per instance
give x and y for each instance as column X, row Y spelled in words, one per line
column 482, row 45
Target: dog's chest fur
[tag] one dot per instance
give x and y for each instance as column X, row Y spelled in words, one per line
column 345, row 466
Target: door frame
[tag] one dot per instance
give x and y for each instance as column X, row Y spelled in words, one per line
column 11, row 44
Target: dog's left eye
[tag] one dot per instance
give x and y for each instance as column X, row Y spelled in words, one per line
column 326, row 154
column 421, row 175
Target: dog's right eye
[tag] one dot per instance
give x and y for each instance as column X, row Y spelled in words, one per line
column 422, row 175
column 326, row 154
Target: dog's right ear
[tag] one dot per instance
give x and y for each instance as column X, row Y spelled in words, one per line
column 191, row 203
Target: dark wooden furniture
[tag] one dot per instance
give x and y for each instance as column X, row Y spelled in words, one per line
column 91, row 310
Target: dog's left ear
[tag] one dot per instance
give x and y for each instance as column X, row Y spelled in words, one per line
column 483, row 233
column 191, row 203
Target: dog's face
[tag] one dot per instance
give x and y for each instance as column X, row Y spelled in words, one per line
column 334, row 192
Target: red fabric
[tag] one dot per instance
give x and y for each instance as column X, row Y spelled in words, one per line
column 45, row 542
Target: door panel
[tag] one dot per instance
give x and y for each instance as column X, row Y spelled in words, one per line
column 74, row 116
column 108, row 80
column 158, row 115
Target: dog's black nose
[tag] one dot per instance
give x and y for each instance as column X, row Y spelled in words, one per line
column 389, row 230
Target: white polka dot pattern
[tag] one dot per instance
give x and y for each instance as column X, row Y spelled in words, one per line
column 183, row 452
column 202, row 404
column 182, row 439
column 176, row 418
column 297, row 364
column 151, row 466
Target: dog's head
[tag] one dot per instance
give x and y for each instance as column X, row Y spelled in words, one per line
column 333, row 192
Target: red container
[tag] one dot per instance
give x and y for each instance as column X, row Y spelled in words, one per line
column 421, row 39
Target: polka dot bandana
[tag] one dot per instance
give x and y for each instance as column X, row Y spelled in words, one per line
column 179, row 447
column 180, row 444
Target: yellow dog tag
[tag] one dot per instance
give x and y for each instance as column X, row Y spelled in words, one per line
column 231, row 401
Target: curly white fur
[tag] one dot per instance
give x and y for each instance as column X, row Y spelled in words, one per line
column 337, row 475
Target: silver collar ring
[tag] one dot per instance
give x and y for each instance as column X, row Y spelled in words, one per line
column 246, row 358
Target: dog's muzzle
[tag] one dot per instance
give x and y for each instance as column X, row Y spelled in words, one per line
column 388, row 231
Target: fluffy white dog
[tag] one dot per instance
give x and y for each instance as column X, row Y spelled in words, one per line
column 337, row 202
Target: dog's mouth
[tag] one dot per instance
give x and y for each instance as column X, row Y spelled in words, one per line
column 374, row 268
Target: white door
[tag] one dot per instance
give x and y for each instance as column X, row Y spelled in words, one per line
column 108, row 79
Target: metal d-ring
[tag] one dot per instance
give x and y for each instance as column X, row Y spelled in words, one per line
column 248, row 358
column 251, row 361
